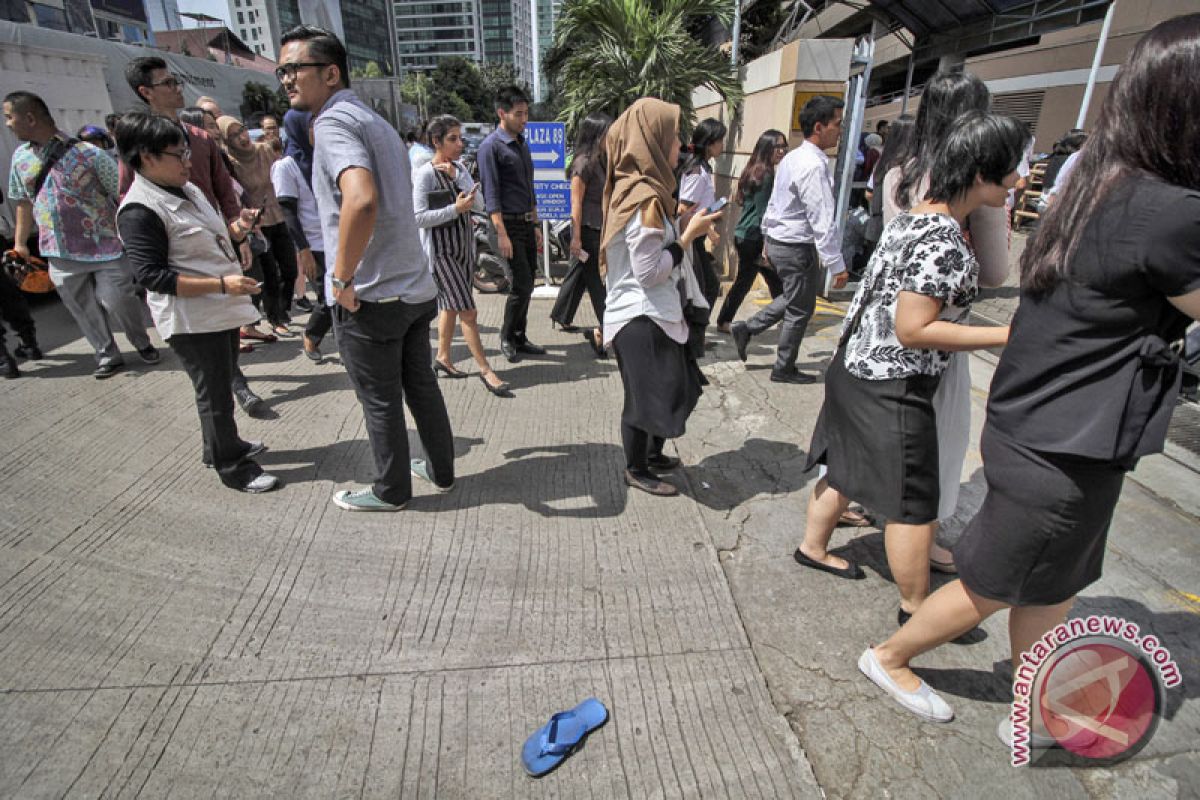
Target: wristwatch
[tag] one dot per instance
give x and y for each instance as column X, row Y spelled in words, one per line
column 338, row 283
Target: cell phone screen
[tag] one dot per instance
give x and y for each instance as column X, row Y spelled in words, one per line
column 716, row 205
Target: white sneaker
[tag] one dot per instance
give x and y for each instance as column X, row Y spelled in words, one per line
column 1038, row 741
column 263, row 483
column 924, row 702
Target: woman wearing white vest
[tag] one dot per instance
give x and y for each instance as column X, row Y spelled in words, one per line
column 642, row 256
column 184, row 256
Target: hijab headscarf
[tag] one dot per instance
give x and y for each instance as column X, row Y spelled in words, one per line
column 642, row 145
column 245, row 157
column 296, row 124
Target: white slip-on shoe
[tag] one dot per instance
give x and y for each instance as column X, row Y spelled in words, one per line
column 924, row 702
column 263, row 483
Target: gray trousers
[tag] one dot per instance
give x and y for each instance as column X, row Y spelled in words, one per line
column 800, row 272
column 96, row 294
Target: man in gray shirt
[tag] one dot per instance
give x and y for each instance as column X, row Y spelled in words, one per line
column 379, row 288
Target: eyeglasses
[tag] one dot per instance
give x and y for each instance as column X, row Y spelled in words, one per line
column 289, row 71
column 184, row 155
column 172, row 82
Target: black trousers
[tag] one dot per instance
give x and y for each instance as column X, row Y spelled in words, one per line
column 385, row 347
column 639, row 447
column 279, row 272
column 750, row 266
column 210, row 360
column 582, row 276
column 15, row 311
column 523, row 264
column 710, row 282
column 321, row 318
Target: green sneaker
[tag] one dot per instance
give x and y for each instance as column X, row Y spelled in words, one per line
column 362, row 500
column 420, row 468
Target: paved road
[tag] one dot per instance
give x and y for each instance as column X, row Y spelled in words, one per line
column 160, row 635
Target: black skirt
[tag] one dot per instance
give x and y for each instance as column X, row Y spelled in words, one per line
column 1039, row 537
column 879, row 441
column 662, row 384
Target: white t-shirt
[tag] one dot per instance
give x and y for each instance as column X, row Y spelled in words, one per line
column 697, row 187
column 289, row 181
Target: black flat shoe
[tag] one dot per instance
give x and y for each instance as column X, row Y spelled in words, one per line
column 590, row 335
column 510, row 352
column 792, row 376
column 852, row 571
column 529, row 348
column 663, row 463
column 566, row 327
column 447, row 370
column 502, row 390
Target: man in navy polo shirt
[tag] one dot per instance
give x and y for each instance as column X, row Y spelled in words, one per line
column 506, row 172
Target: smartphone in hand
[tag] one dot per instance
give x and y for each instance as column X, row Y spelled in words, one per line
column 717, row 205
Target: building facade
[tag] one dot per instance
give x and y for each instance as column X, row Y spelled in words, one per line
column 163, row 15
column 112, row 20
column 368, row 25
column 256, row 23
column 429, row 30
column 508, row 35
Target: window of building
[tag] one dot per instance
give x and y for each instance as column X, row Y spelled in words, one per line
column 241, row 20
column 48, row 17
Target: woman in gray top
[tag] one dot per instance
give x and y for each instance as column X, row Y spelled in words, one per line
column 443, row 194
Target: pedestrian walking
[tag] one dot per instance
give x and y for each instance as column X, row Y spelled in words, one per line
column 380, row 281
column 801, row 236
column 588, row 165
column 152, row 81
column 1109, row 280
column 70, row 189
column 753, row 192
column 443, row 195
column 183, row 254
column 506, row 172
column 698, row 191
column 252, row 163
column 876, row 432
column 948, row 95
column 14, row 311
column 292, row 178
column 645, row 316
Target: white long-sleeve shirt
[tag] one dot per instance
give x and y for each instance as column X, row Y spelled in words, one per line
column 801, row 208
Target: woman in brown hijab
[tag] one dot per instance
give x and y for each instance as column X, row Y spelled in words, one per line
column 252, row 169
column 645, row 317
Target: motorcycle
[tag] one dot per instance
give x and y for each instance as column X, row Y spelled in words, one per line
column 491, row 275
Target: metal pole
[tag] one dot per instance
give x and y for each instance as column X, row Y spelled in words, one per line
column 1091, row 84
column 546, row 252
column 737, row 31
column 912, row 52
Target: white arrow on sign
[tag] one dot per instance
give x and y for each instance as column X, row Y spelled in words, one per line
column 552, row 157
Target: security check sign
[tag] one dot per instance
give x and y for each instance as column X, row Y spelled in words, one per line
column 548, row 148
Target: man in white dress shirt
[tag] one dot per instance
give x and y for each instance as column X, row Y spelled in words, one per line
column 801, row 235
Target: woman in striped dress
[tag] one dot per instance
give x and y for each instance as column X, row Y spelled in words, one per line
column 443, row 194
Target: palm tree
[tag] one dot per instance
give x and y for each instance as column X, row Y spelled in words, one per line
column 609, row 53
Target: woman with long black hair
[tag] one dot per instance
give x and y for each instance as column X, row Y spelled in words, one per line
column 698, row 191
column 753, row 191
column 587, row 218
column 947, row 96
column 1087, row 382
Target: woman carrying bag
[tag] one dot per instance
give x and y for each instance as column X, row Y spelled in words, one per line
column 443, row 194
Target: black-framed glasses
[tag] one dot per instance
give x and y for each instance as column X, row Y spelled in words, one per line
column 184, row 155
column 172, row 82
column 289, row 71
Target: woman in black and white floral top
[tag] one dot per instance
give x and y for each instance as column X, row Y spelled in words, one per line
column 876, row 433
column 921, row 253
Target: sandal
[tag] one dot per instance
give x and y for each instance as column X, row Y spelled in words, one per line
column 853, row 519
column 282, row 331
column 257, row 335
column 598, row 348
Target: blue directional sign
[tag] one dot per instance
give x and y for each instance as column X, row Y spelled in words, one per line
column 548, row 149
column 547, row 144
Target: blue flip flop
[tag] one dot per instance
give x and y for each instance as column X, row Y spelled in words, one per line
column 550, row 745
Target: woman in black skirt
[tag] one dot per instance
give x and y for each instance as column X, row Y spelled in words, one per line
column 643, row 261
column 877, row 433
column 443, row 194
column 1087, row 383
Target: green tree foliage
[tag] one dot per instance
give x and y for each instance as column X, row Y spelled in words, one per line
column 258, row 98
column 609, row 53
column 371, row 70
column 456, row 87
column 414, row 89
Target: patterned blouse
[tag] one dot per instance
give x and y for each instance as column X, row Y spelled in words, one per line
column 921, row 253
column 76, row 210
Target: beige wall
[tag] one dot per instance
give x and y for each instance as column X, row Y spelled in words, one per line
column 1059, row 63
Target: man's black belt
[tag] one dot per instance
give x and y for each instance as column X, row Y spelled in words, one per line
column 526, row 217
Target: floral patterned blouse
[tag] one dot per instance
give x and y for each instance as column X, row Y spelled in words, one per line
column 76, row 210
column 922, row 253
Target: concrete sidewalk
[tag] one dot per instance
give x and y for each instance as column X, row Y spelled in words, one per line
column 162, row 635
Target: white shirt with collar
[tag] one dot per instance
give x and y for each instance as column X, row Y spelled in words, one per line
column 801, row 208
